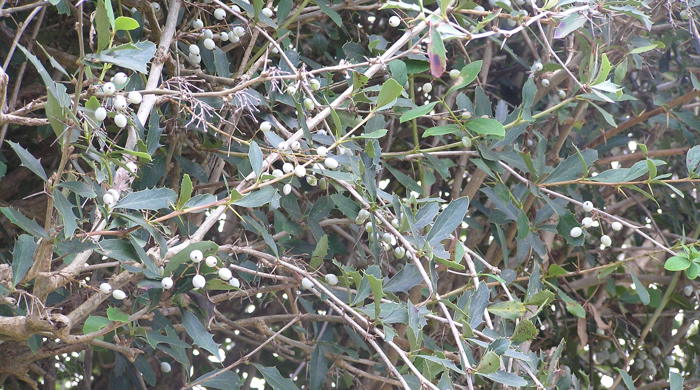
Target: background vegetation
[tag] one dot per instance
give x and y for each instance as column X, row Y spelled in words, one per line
column 349, row 194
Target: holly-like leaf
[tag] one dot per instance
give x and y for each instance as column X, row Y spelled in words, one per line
column 28, row 160
column 199, row 333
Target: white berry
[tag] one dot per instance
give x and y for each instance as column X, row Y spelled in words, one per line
column 207, row 33
column 538, row 66
column 167, row 283
column 395, row 223
column 105, row 288
column 331, row 279
column 282, row 146
column 223, row 36
column 309, row 104
column 300, row 171
column 239, row 31
column 108, row 199
column 307, row 284
column 427, row 87
column 288, row 167
column 198, row 281
column 120, row 120
column 265, row 126
column 362, row 216
column 120, row 79
column 267, row 12
column 165, row 367
column 605, row 240
column 195, row 58
column 109, row 89
column 225, row 274
column 287, row 189
column 115, row 193
column 219, row 13
column 394, row 21
column 454, row 73
column 194, row 49
column 209, row 44
column 314, row 84
column 197, row 24
column 399, row 252
column 211, row 261
column 616, row 226
column 331, row 163
column 234, row 282
column 322, row 151
column 196, row 255
column 119, row 102
column 369, row 227
column 296, row 145
column 545, row 82
column 576, row 232
column 119, row 295
column 588, row 206
column 134, row 97
column 587, row 222
column 100, row 114
column 277, row 173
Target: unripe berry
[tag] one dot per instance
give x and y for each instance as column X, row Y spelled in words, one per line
column 394, row 21
column 197, row 24
column 119, row 295
column 211, row 261
column 196, row 255
column 194, row 49
column 300, row 171
column 322, row 151
column 265, row 126
column 331, row 279
column 399, row 252
column 427, row 87
column 616, row 226
column 120, row 120
column 100, row 114
column 314, row 84
column 167, row 283
column 331, row 163
column 198, row 281
column 105, row 288
column 467, row 142
column 312, row 180
column 234, row 282
column 576, row 232
column 588, row 206
column 109, row 89
column 209, row 44
column 605, row 240
column 309, row 104
column 219, row 14
column 165, row 367
column 134, row 97
column 466, row 115
column 362, row 216
column 369, row 227
column 225, row 273
column 307, row 284
column 454, row 73
column 119, row 102
column 287, row 189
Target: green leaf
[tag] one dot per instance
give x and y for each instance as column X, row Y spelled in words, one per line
column 318, row 367
column 226, row 380
column 388, row 94
column 486, row 126
column 199, row 333
column 28, row 160
column 65, row 209
column 466, row 76
column 506, row 378
column 569, row 24
column 640, row 289
column 275, row 379
column 417, row 112
column 319, row 252
column 185, row 190
column 604, row 70
column 102, row 24
column 524, row 331
column 376, row 285
column 114, row 314
column 576, row 309
column 207, row 247
column 28, row 225
column 330, row 12
column 442, row 130
column 437, row 54
column 675, row 381
column 677, row 263
column 257, row 198
column 149, row 199
column 508, row 309
column 134, row 56
column 448, row 220
column 443, row 362
column 692, row 160
column 629, row 383
column 125, row 23
column 94, row 323
column 373, row 135
column 22, row 257
column 489, row 363
column 255, row 156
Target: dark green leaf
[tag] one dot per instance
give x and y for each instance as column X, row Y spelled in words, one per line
column 28, row 160
column 692, row 159
column 275, row 379
column 207, row 247
column 134, row 56
column 629, row 383
column 388, row 94
column 22, row 257
column 506, row 378
column 466, row 76
column 257, row 198
column 675, row 380
column 28, row 225
column 442, row 130
column 199, row 333
column 185, row 190
column 486, row 126
column 524, row 331
column 640, row 289
column 448, row 220
column 319, row 252
column 417, row 112
column 318, row 367
column 226, row 380
column 149, row 199
column 65, row 209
